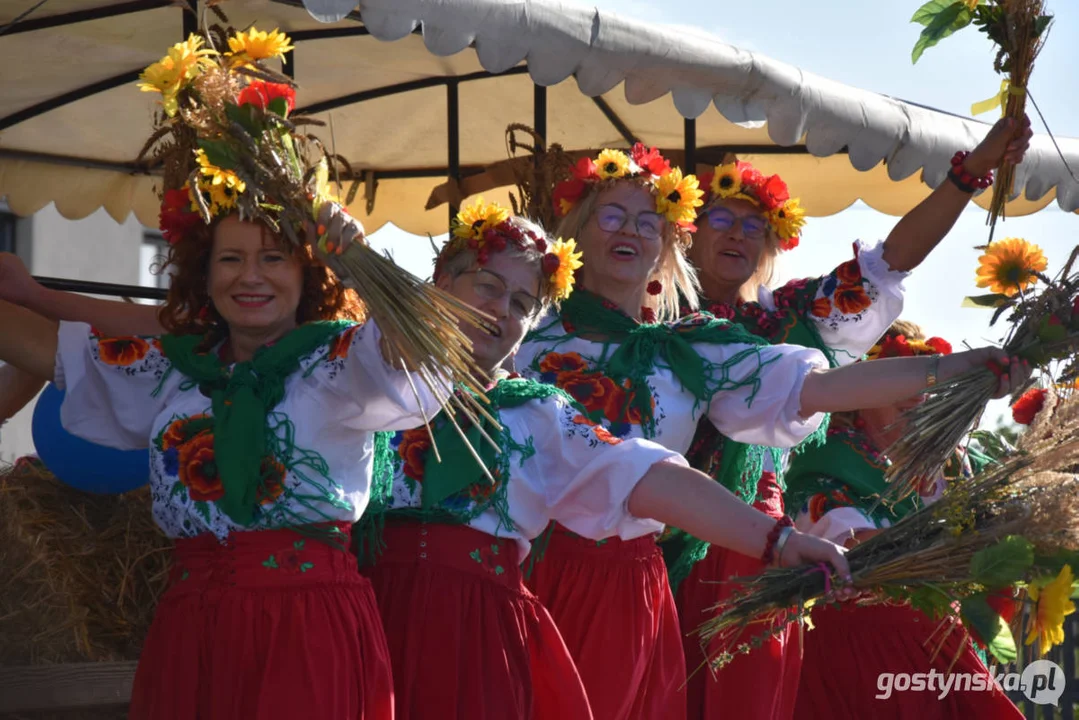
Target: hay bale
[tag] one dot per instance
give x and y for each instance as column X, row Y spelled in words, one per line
column 81, row 573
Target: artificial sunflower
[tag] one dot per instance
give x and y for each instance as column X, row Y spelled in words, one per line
column 678, row 197
column 220, row 187
column 727, row 181
column 172, row 73
column 474, row 220
column 259, row 45
column 568, row 262
column 787, row 219
column 612, row 164
column 1053, row 605
column 1008, row 266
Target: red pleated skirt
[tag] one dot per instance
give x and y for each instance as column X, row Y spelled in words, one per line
column 271, row 625
column 467, row 640
column 852, row 645
column 762, row 685
column 613, row 604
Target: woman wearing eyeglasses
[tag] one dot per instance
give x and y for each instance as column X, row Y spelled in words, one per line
column 746, row 221
column 617, row 346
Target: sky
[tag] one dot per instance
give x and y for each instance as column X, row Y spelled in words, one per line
column 867, row 45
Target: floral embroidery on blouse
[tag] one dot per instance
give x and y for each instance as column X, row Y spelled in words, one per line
column 602, row 398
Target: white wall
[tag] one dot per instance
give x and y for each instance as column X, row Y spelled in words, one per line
column 95, row 248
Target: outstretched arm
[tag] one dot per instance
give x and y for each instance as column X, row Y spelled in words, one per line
column 17, row 388
column 922, row 229
column 885, row 382
column 690, row 500
column 111, row 317
column 27, row 340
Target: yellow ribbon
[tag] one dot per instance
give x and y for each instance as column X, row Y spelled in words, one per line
column 999, row 100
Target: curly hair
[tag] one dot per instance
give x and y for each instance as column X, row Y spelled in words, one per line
column 189, row 310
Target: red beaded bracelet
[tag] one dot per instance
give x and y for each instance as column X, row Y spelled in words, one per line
column 964, row 180
column 773, row 538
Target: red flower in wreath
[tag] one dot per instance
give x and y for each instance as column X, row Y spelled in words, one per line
column 851, row 299
column 261, row 94
column 561, row 363
column 198, row 469
column 849, row 272
column 940, row 345
column 341, row 344
column 649, row 160
column 273, row 481
column 1028, row 406
column 122, row 351
column 822, row 307
column 773, row 193
column 413, row 450
column 176, row 217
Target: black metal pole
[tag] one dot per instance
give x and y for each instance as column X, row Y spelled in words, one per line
column 191, row 18
column 690, row 163
column 288, row 67
column 539, row 111
column 453, row 138
column 100, row 288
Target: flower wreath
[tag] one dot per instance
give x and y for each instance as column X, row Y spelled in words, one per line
column 677, row 196
column 225, row 138
column 741, row 181
column 484, row 229
column 892, row 346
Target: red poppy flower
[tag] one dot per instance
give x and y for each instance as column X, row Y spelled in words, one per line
column 822, row 307
column 261, row 94
column 413, row 450
column 585, row 169
column 751, row 176
column 122, row 351
column 649, row 160
column 341, row 344
column 939, row 345
column 177, row 432
column 851, row 299
column 1004, row 603
column 895, row 346
column 773, row 192
column 566, row 194
column 560, row 363
column 1028, row 405
column 198, row 469
column 790, row 243
column 592, row 390
column 273, row 481
column 849, row 272
column 176, row 217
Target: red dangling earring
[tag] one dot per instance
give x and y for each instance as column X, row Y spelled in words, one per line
column 648, row 315
column 655, row 287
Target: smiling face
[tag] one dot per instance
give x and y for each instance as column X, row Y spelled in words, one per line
column 622, row 238
column 731, row 239
column 254, row 283
column 507, row 288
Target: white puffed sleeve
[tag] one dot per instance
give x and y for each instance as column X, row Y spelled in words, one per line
column 113, row 387
column 837, row 525
column 765, row 412
column 853, row 305
column 387, row 398
column 581, row 473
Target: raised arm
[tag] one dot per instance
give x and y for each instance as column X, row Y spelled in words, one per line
column 922, row 229
column 108, row 316
column 27, row 340
column 885, row 382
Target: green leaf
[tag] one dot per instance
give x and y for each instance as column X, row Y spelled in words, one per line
column 1041, row 24
column 219, row 153
column 1003, row 564
column 930, row 601
column 954, row 17
column 203, row 508
column 992, row 300
column 926, row 14
column 278, row 106
column 992, row 444
column 980, row 617
column 246, row 116
column 177, row 489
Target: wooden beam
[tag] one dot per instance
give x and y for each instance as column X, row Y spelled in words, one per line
column 70, row 685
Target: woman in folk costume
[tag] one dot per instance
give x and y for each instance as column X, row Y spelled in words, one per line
column 834, row 490
column 259, row 408
column 610, row 597
column 446, row 531
column 747, row 219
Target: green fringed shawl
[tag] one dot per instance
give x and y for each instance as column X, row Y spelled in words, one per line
column 458, row 471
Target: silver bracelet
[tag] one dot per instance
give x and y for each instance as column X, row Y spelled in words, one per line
column 784, row 535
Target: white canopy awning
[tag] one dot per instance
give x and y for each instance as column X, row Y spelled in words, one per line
column 422, row 90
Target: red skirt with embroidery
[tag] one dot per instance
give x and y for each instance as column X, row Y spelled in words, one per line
column 851, row 646
column 270, row 625
column 613, row 604
column 763, row 684
column 467, row 639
